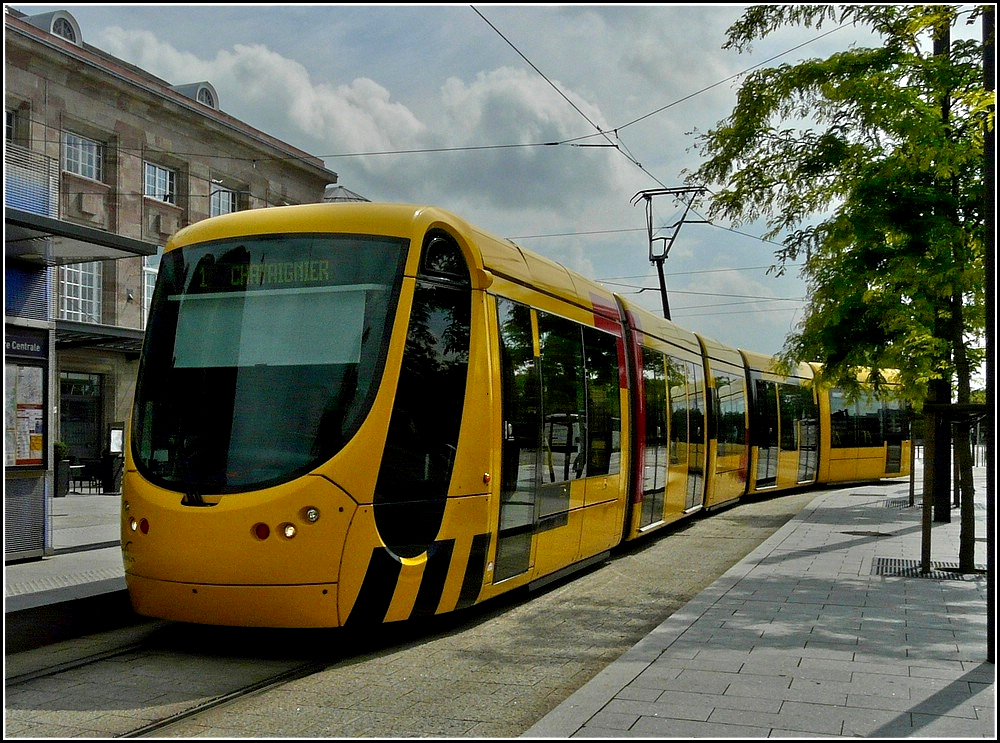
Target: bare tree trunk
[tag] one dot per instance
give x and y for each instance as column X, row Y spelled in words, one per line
column 963, row 443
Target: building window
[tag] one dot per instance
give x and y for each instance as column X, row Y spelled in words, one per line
column 80, row 295
column 223, row 201
column 205, row 96
column 83, row 156
column 160, row 183
column 10, row 125
column 62, row 27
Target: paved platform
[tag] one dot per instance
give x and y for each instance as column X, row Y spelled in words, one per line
column 87, row 560
column 830, row 628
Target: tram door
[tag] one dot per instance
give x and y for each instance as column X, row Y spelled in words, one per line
column 766, row 432
column 687, row 404
column 521, row 439
column 674, row 451
column 656, row 425
column 799, row 416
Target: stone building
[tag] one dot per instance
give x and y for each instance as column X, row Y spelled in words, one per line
column 102, row 163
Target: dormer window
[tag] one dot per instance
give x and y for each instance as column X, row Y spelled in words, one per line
column 62, row 27
column 202, row 92
column 58, row 23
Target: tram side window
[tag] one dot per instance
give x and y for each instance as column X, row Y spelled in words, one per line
column 896, row 421
column 521, row 400
column 731, row 403
column 656, row 422
column 798, row 415
column 684, row 412
column 603, row 403
column 564, row 412
column 855, row 423
column 869, row 421
column 426, row 418
column 765, row 405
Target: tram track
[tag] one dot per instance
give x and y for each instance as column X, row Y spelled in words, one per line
column 50, row 671
column 164, row 725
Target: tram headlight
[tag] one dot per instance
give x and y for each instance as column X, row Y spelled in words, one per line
column 288, row 530
column 140, row 525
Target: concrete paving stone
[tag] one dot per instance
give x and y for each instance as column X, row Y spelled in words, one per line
column 763, row 651
column 970, row 648
column 710, row 682
column 818, row 691
column 754, row 685
column 833, row 689
column 947, row 669
column 810, row 594
column 613, row 720
column 654, row 727
column 931, row 706
column 813, row 673
column 639, row 693
column 886, row 684
column 931, row 726
column 771, row 664
column 832, row 644
column 796, row 735
column 679, row 650
column 874, row 650
column 801, row 716
column 665, row 708
column 752, row 625
column 603, row 733
column 658, row 676
column 706, row 662
column 728, row 701
column 848, row 668
column 959, row 692
column 795, row 612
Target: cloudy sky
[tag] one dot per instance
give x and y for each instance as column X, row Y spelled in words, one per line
column 454, row 105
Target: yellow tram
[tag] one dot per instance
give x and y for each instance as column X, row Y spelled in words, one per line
column 368, row 412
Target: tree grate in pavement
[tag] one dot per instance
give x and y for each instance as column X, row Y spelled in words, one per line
column 897, row 503
column 896, row 567
column 918, row 503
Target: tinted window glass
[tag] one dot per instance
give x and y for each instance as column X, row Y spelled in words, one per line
column 261, row 357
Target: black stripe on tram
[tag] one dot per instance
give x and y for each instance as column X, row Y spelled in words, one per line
column 475, row 571
column 376, row 592
column 432, row 582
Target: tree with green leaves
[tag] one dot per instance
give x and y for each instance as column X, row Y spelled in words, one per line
column 869, row 166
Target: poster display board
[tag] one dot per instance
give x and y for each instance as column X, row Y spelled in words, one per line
column 25, row 413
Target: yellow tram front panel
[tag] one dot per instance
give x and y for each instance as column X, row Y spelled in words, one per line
column 193, row 562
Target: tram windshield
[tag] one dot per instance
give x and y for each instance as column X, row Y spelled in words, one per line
column 261, row 357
